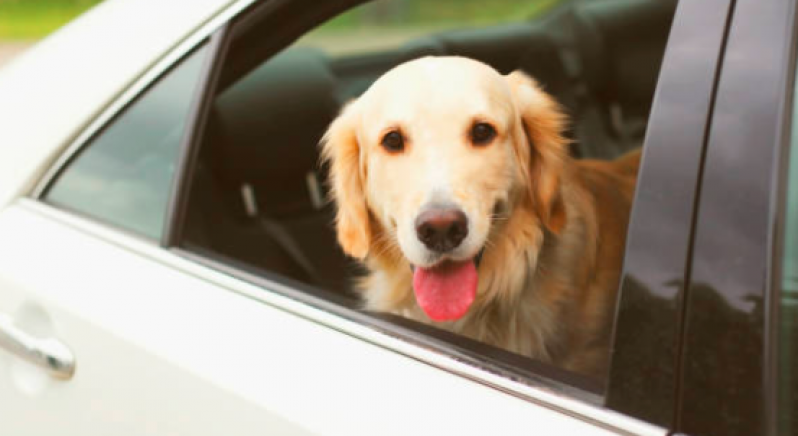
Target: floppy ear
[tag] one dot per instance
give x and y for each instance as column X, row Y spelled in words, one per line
column 540, row 147
column 341, row 149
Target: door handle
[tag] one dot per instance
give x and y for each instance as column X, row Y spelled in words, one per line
column 48, row 353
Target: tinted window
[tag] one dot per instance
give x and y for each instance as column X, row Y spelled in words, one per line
column 124, row 175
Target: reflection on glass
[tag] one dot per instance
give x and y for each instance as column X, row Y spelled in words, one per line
column 124, row 175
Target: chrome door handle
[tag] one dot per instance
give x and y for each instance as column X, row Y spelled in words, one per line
column 48, row 353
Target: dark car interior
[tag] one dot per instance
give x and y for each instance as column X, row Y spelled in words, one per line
column 258, row 196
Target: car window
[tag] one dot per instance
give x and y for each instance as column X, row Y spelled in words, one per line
column 123, row 175
column 788, row 341
column 259, row 198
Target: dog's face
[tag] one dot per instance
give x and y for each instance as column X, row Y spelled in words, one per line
column 433, row 157
column 437, row 139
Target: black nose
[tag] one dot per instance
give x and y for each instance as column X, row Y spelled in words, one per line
column 442, row 229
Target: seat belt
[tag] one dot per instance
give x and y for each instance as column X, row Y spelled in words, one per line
column 277, row 232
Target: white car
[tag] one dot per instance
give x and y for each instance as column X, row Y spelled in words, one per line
column 167, row 264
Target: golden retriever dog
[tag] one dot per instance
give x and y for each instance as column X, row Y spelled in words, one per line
column 454, row 187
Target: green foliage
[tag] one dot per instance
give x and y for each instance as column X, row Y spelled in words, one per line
column 437, row 13
column 33, row 19
column 385, row 24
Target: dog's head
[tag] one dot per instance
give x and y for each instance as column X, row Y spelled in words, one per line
column 433, row 160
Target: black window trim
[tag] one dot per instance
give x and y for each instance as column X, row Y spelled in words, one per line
column 187, row 154
column 643, row 376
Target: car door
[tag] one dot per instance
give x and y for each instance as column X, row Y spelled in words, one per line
column 164, row 346
column 166, row 343
column 71, row 296
column 158, row 349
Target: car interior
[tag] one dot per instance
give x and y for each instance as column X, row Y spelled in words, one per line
column 259, row 198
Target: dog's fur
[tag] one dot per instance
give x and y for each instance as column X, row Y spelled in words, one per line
column 552, row 228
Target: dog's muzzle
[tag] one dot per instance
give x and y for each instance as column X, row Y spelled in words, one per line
column 477, row 260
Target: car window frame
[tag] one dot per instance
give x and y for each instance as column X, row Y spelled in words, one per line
column 261, row 19
column 753, row 393
column 307, row 294
column 538, row 389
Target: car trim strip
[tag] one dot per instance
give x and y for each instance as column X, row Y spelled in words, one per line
column 578, row 409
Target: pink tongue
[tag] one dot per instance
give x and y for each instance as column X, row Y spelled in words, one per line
column 446, row 291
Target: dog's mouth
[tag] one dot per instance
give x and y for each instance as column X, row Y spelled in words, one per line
column 446, row 290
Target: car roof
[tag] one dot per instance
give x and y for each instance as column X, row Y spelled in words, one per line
column 51, row 92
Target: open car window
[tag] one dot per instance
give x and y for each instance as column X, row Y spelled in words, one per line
column 259, row 199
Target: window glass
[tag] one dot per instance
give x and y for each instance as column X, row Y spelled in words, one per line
column 123, row 176
column 259, row 196
column 789, row 296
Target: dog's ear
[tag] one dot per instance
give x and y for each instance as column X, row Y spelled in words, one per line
column 540, row 147
column 340, row 148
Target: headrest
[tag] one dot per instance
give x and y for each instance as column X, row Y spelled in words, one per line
column 622, row 44
column 499, row 47
column 264, row 134
column 420, row 47
column 542, row 60
column 510, row 47
column 268, row 124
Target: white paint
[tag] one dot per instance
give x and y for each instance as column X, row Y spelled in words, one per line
column 161, row 351
column 54, row 89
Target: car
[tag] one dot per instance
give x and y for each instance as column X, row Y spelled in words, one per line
column 167, row 261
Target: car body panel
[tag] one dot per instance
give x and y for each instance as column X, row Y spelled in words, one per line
column 162, row 362
column 66, row 80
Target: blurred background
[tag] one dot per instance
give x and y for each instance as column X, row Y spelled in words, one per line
column 23, row 22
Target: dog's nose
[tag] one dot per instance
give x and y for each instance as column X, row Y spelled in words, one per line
column 441, row 229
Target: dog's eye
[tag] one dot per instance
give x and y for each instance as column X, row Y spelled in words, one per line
column 482, row 133
column 393, row 141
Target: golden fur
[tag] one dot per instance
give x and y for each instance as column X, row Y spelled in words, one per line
column 552, row 229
